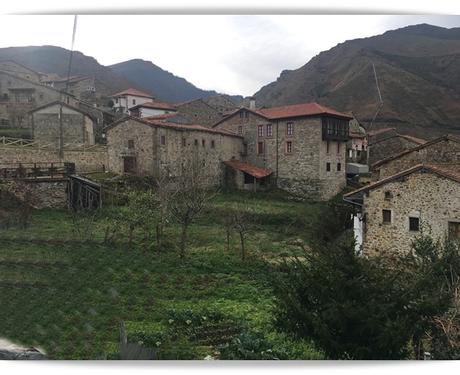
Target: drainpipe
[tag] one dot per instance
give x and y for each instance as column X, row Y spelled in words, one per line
column 277, row 156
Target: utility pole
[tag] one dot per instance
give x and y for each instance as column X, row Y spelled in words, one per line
column 61, row 125
column 375, row 115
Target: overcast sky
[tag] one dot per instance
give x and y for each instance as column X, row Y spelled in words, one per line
column 231, row 54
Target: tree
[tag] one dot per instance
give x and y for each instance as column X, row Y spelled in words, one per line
column 358, row 308
column 240, row 222
column 189, row 194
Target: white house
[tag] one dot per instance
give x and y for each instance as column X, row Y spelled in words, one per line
column 126, row 99
column 152, row 108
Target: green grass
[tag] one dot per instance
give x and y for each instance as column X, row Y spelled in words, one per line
column 67, row 296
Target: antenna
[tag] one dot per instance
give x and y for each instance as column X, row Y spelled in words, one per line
column 376, row 112
column 61, row 129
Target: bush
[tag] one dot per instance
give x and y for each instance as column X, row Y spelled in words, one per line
column 250, row 346
column 358, row 308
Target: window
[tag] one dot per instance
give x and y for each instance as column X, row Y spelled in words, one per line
column 163, row 140
column 454, row 230
column 388, row 195
column 213, row 144
column 184, row 142
column 289, row 147
column 260, row 131
column 334, row 129
column 328, row 167
column 338, row 147
column 40, row 96
column 414, row 224
column 327, row 147
column 269, row 130
column 386, row 216
column 240, row 130
column 203, row 142
column 289, row 128
column 244, row 114
column 196, row 142
column 134, row 101
column 339, row 167
column 116, row 100
column 130, row 144
column 260, row 148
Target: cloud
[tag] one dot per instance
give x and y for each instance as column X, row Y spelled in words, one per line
column 233, row 54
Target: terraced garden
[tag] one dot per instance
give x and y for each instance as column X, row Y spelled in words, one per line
column 67, row 294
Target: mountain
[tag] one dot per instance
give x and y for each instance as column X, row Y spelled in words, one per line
column 418, row 71
column 51, row 59
column 161, row 83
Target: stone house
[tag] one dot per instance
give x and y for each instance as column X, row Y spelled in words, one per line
column 304, row 145
column 19, row 95
column 153, row 108
column 19, row 70
column 82, row 87
column 394, row 210
column 155, row 147
column 199, row 112
column 124, row 100
column 386, row 142
column 77, row 126
column 444, row 149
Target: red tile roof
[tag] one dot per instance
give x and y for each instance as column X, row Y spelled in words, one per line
column 156, row 105
column 133, row 92
column 300, row 110
column 420, row 141
column 451, row 171
column 250, row 169
column 166, row 124
column 160, row 117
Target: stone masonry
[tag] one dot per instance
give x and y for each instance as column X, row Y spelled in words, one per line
column 302, row 171
column 428, row 196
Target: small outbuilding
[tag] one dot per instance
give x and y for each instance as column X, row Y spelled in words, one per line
column 52, row 119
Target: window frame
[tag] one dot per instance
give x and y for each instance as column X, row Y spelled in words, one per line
column 384, row 219
column 411, row 218
column 131, row 144
column 339, row 167
column 289, row 129
column 260, row 148
column 260, row 131
column 328, row 166
column 288, row 147
column 269, row 130
column 163, row 140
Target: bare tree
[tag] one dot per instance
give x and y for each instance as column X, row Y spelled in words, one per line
column 241, row 218
column 190, row 193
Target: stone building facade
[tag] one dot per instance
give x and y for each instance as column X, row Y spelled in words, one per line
column 19, row 70
column 384, row 143
column 445, row 149
column 396, row 209
column 304, row 145
column 199, row 112
column 77, row 126
column 153, row 148
column 18, row 96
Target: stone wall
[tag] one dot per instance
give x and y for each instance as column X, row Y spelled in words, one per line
column 304, row 170
column 14, row 104
column 424, row 195
column 445, row 151
column 77, row 127
column 389, row 146
column 41, row 194
column 199, row 112
column 85, row 161
column 210, row 149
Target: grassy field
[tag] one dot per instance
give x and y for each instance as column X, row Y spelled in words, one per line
column 67, row 295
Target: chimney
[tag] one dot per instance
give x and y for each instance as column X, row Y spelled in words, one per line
column 252, row 103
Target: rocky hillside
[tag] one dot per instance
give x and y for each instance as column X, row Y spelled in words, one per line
column 418, row 69
column 163, row 84
column 51, row 59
